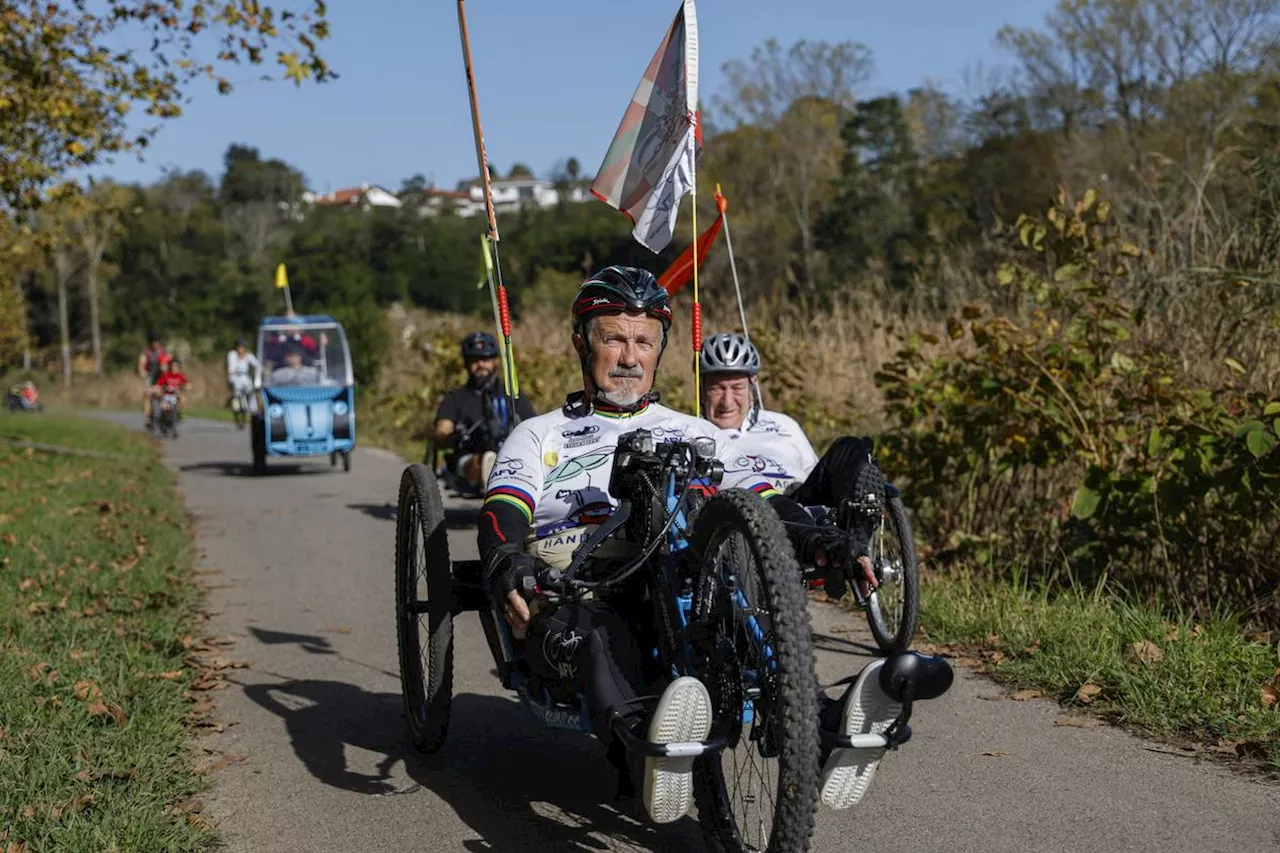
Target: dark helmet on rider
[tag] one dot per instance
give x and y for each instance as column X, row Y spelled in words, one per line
column 618, row 288
column 241, row 342
column 729, row 352
column 479, row 345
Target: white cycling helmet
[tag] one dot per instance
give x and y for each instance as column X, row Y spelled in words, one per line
column 729, row 352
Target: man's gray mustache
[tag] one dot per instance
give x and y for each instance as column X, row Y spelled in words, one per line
column 627, row 373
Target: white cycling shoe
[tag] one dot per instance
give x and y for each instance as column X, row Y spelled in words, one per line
column 865, row 709
column 683, row 715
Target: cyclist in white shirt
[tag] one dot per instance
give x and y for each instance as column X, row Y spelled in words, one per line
column 755, row 443
column 549, row 490
column 239, row 362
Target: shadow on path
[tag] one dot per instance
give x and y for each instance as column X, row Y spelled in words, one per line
column 517, row 785
column 455, row 518
column 841, row 646
column 245, row 469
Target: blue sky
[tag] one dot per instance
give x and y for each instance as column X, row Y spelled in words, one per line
column 553, row 78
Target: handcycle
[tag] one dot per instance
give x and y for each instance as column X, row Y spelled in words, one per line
column 728, row 608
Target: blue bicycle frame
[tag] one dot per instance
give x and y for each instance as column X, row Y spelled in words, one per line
column 577, row 717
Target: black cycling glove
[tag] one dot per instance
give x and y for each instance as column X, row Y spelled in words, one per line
column 506, row 568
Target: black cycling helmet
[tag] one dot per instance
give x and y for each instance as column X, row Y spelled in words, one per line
column 241, row 342
column 479, row 345
column 618, row 288
column 728, row 352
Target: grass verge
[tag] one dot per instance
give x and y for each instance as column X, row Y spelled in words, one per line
column 95, row 613
column 1202, row 683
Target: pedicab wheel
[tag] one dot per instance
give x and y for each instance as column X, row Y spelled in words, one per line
column 761, row 791
column 893, row 609
column 259, row 446
column 424, row 608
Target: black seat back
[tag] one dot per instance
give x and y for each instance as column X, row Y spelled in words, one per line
column 927, row 676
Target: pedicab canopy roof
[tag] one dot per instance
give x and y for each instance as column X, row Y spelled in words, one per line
column 298, row 320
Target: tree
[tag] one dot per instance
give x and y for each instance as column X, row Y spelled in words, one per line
column 95, row 227
column 573, row 168
column 874, row 217
column 69, row 88
column 799, row 100
column 519, row 171
column 64, row 263
column 416, row 184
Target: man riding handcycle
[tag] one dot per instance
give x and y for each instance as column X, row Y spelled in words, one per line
column 851, row 520
column 673, row 618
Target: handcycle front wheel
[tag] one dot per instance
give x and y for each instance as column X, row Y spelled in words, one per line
column 753, row 646
column 424, row 608
column 893, row 609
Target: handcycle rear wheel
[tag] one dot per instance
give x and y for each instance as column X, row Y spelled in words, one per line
column 424, row 608
column 893, row 610
column 749, row 581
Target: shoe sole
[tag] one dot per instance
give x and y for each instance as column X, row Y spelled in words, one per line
column 847, row 774
column 683, row 715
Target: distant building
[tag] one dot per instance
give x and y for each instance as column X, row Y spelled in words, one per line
column 364, row 196
column 467, row 200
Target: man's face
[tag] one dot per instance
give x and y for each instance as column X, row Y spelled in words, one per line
column 727, row 399
column 480, row 369
column 240, row 350
column 624, row 352
column 293, row 359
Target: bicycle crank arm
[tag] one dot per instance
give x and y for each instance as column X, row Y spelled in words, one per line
column 690, row 749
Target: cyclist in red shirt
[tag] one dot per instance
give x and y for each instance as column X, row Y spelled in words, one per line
column 173, row 379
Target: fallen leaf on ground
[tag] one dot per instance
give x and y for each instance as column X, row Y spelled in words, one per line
column 1024, row 695
column 967, row 661
column 1088, row 692
column 1269, row 695
column 1079, row 722
column 991, row 697
column 99, row 708
column 86, row 690
column 1225, row 747
column 995, row 753
column 1145, row 652
column 343, row 629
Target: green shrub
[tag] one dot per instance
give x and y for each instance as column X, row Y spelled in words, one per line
column 1064, row 440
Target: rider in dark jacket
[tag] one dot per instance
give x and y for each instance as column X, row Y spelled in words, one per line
column 473, row 420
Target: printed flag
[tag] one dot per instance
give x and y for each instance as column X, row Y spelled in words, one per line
column 651, row 164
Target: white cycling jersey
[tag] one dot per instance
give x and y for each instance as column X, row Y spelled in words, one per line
column 555, row 468
column 772, row 447
column 238, row 368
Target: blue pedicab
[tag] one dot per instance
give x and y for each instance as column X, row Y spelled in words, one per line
column 307, row 391
column 727, row 606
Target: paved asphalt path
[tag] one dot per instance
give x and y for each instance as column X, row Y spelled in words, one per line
column 301, row 573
